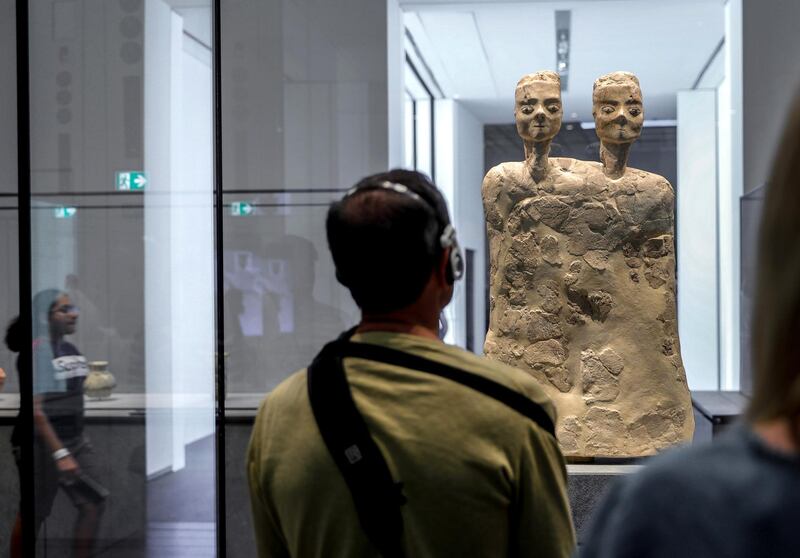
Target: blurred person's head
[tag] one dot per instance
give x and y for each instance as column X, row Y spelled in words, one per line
column 13, row 339
column 776, row 326
column 393, row 245
column 53, row 314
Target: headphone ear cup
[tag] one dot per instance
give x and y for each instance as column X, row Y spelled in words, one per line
column 455, row 269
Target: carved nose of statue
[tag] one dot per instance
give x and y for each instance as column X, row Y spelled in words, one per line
column 620, row 119
column 539, row 116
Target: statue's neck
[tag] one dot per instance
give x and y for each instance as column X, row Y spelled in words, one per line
column 537, row 159
column 614, row 157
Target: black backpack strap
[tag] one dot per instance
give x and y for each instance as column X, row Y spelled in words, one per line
column 376, row 496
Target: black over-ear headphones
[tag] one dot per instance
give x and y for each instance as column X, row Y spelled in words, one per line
column 446, row 231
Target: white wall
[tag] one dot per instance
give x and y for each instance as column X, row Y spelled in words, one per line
column 179, row 241
column 724, row 76
column 193, row 276
column 696, row 233
column 395, row 61
column 459, row 174
column 158, row 97
column 729, row 149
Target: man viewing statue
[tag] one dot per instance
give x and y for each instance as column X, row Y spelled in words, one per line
column 392, row 442
column 582, row 276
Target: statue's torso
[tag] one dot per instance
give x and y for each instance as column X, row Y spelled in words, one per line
column 582, row 273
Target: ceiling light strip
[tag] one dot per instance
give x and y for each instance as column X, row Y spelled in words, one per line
column 563, row 20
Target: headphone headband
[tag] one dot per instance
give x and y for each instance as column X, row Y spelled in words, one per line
column 393, row 186
column 448, row 237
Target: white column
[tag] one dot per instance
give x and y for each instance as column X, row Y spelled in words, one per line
column 179, row 240
column 395, row 62
column 459, row 173
column 730, row 190
column 157, row 238
column 696, row 233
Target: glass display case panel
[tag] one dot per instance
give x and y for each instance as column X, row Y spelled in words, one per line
column 123, row 276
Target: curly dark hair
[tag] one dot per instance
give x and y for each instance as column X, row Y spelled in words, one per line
column 13, row 337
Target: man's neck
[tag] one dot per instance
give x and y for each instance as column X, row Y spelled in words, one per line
column 427, row 328
column 537, row 159
column 614, row 157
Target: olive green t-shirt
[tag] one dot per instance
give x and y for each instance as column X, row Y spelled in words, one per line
column 480, row 479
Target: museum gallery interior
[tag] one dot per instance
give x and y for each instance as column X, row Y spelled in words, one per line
column 167, row 166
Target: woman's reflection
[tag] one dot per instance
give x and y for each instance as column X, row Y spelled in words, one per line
column 63, row 456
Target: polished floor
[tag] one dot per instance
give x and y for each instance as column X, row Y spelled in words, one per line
column 180, row 511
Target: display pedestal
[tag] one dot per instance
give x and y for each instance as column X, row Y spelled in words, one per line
column 715, row 412
column 590, row 479
column 588, row 482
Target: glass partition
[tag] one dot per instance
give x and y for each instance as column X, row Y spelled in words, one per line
column 9, row 263
column 123, row 277
column 304, row 104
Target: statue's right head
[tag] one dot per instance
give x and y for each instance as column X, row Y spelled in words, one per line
column 537, row 106
column 617, row 107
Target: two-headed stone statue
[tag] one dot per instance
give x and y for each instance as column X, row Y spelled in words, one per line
column 582, row 276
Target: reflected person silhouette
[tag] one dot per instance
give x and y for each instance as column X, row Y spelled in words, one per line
column 63, row 457
column 304, row 323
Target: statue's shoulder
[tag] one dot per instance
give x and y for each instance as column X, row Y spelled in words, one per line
column 505, row 171
column 503, row 174
column 649, row 180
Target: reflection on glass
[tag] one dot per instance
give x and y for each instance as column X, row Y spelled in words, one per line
column 276, row 319
column 122, row 251
column 64, row 459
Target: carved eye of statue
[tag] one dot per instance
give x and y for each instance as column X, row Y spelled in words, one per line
column 607, row 109
column 635, row 111
column 553, row 108
column 526, row 109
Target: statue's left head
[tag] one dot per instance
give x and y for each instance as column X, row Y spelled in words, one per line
column 537, row 106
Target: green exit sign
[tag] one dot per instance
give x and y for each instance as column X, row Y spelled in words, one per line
column 131, row 181
column 65, row 212
column 241, row 209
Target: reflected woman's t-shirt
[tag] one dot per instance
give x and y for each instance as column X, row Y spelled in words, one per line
column 59, row 371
